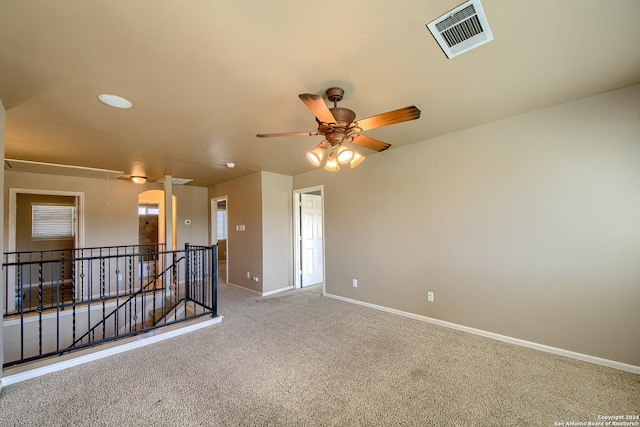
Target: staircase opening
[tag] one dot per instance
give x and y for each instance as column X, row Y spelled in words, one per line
column 113, row 296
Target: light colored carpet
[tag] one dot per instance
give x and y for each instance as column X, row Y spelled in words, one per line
column 300, row 359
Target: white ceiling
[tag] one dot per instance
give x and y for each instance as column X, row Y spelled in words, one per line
column 206, row 76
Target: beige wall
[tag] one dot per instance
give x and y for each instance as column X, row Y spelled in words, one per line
column 111, row 207
column 193, row 205
column 527, row 227
column 277, row 240
column 244, row 248
column 262, row 203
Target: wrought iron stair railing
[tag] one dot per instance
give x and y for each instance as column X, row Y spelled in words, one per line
column 128, row 301
column 155, row 282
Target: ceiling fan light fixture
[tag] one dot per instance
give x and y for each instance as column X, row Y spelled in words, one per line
column 139, row 179
column 357, row 159
column 344, row 155
column 316, row 156
column 332, row 164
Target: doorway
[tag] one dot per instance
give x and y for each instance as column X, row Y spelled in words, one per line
column 148, row 225
column 153, row 231
column 220, row 233
column 149, row 237
column 309, row 233
column 47, row 221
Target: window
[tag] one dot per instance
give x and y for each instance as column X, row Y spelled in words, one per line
column 222, row 225
column 148, row 210
column 50, row 221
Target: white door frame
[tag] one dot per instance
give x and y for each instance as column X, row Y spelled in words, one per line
column 214, row 228
column 297, row 256
column 11, row 238
column 13, row 193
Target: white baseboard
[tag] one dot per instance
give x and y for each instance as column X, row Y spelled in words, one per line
column 243, row 288
column 277, row 291
column 263, row 294
column 124, row 345
column 535, row 346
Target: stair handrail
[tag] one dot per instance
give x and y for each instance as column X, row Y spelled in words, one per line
column 127, row 301
column 173, row 307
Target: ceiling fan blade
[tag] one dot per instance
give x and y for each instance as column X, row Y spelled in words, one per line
column 272, row 135
column 317, row 106
column 370, row 143
column 389, row 118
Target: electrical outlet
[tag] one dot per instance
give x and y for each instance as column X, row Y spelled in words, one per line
column 355, row 283
column 430, row 296
column 119, row 277
column 248, row 275
column 255, row 279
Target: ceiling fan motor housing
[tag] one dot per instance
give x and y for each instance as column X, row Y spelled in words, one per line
column 336, row 133
column 343, row 115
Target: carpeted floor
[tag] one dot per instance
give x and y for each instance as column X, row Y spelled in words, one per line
column 300, row 359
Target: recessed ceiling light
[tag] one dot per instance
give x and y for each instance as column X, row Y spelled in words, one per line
column 231, row 165
column 115, row 101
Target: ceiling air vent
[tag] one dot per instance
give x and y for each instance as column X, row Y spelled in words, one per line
column 462, row 29
column 176, row 181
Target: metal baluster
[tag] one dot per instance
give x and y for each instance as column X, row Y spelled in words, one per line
column 203, row 277
column 143, row 289
column 197, row 276
column 116, row 316
column 103, row 296
column 174, row 279
column 82, row 277
column 203, row 274
column 155, row 287
column 187, row 272
column 73, row 299
column 90, row 296
column 130, row 280
column 62, row 278
column 21, row 288
column 214, row 280
column 196, row 270
column 135, row 305
column 20, row 291
column 40, row 306
column 58, row 311
column 30, row 284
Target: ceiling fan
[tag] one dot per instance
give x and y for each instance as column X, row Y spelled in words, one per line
column 339, row 126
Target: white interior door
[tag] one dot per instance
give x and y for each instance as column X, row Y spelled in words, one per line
column 311, row 235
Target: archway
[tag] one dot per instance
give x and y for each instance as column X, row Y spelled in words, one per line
column 149, row 199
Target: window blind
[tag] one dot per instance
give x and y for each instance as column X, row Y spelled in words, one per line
column 52, row 221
